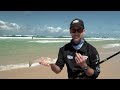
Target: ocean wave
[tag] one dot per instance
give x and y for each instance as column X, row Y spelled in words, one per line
column 101, row 39
column 111, row 45
column 15, row 37
column 25, row 65
column 58, row 40
column 16, row 66
column 13, row 66
column 51, row 41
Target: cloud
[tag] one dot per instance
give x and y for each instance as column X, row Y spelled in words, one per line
column 65, row 31
column 8, row 26
column 53, row 29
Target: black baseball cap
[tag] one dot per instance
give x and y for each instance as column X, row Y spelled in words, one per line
column 77, row 23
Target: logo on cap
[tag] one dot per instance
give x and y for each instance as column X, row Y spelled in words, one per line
column 75, row 21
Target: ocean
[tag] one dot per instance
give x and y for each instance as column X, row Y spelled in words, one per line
column 16, row 52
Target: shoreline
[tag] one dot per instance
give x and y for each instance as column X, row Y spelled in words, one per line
column 109, row 70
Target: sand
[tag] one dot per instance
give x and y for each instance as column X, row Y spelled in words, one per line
column 37, row 72
column 109, row 70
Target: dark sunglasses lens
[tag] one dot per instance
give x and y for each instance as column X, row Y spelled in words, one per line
column 76, row 30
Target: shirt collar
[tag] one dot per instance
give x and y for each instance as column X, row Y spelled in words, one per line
column 79, row 45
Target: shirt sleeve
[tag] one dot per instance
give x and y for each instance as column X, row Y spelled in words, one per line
column 94, row 59
column 60, row 61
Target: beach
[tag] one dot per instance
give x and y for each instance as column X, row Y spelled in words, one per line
column 109, row 69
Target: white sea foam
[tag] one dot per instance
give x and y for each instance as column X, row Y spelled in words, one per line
column 12, row 66
column 15, row 37
column 23, row 65
column 51, row 41
column 111, row 45
column 101, row 39
column 16, row 66
column 55, row 38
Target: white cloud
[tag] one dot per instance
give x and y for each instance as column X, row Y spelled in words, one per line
column 65, row 31
column 51, row 30
column 8, row 26
column 54, row 29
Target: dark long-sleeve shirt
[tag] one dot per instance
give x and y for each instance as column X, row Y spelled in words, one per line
column 66, row 56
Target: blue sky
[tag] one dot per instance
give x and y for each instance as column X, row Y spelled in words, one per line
column 56, row 23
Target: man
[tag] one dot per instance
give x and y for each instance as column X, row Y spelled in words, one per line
column 80, row 57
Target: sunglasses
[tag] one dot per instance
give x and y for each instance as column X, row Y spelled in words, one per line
column 76, row 30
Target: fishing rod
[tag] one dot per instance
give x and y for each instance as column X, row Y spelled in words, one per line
column 108, row 58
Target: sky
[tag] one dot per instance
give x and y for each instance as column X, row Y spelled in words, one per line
column 56, row 23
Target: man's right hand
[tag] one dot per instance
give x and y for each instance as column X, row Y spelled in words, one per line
column 45, row 61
